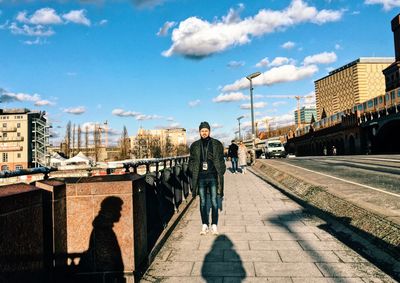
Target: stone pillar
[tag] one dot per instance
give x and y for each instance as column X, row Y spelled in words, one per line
column 100, row 227
column 25, row 234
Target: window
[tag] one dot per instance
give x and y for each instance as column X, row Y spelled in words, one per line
column 5, row 157
column 18, row 155
column 18, row 134
column 370, row 104
column 364, row 105
column 4, row 135
column 380, row 99
column 4, row 125
column 18, row 125
column 375, row 101
column 4, row 167
column 18, row 167
column 392, row 95
column 398, row 92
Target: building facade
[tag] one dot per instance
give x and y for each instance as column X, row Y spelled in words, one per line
column 158, row 142
column 306, row 114
column 24, row 138
column 351, row 84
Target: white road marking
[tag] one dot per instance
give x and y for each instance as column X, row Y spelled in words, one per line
column 383, row 159
column 350, row 182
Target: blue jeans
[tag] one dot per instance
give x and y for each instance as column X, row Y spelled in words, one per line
column 208, row 188
column 234, row 164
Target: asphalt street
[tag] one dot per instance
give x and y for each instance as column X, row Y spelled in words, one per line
column 377, row 171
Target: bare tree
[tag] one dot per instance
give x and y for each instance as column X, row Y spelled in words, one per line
column 68, row 139
column 169, row 148
column 124, row 144
column 73, row 139
column 182, row 149
column 87, row 139
column 96, row 137
column 79, row 138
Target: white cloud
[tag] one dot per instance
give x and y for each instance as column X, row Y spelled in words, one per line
column 77, row 17
column 288, row 45
column 256, row 105
column 322, row 58
column 38, row 30
column 44, row 102
column 75, row 110
column 235, row 64
column 170, row 119
column 229, row 97
column 263, row 63
column 387, row 4
column 279, row 103
column 310, row 100
column 37, row 41
column 194, row 103
column 6, row 97
column 142, row 117
column 195, row 37
column 44, row 16
column 285, row 73
column 279, row 61
column 337, row 46
column 216, row 126
column 122, row 113
column 163, row 31
column 103, row 22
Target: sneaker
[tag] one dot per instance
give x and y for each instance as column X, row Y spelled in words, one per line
column 214, row 229
column 204, row 229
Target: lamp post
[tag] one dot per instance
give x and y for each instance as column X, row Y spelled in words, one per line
column 239, row 118
column 250, row 78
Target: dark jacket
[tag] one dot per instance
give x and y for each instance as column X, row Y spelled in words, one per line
column 218, row 160
column 233, row 150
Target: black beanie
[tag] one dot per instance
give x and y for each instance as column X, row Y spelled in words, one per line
column 204, row 125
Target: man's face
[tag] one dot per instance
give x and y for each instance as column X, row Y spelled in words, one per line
column 204, row 133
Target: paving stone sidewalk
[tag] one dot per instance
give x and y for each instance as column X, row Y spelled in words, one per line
column 264, row 237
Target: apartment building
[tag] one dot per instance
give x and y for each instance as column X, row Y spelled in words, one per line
column 351, row 84
column 168, row 140
column 306, row 114
column 24, row 138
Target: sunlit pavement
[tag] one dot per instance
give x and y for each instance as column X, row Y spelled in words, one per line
column 264, row 236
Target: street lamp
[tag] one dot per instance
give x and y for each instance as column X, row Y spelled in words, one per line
column 250, row 78
column 239, row 118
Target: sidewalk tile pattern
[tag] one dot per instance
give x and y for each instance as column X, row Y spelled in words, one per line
column 264, row 237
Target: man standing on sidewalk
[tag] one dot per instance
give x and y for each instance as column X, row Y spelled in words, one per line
column 207, row 166
column 233, row 155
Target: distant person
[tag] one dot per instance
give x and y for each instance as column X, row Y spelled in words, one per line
column 334, row 150
column 233, row 155
column 325, row 151
column 242, row 155
column 207, row 167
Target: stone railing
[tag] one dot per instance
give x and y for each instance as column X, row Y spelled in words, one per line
column 90, row 228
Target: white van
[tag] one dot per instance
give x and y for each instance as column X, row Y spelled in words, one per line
column 274, row 148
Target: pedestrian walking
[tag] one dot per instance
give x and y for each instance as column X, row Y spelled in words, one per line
column 207, row 167
column 334, row 150
column 233, row 155
column 242, row 155
column 325, row 151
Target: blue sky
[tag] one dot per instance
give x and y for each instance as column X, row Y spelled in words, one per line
column 175, row 63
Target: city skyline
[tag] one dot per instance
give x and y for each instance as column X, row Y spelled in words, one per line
column 177, row 63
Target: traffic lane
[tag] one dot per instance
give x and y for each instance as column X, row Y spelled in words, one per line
column 385, row 181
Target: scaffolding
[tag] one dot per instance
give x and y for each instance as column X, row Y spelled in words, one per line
column 40, row 142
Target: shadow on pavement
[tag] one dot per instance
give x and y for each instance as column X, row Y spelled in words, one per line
column 231, row 267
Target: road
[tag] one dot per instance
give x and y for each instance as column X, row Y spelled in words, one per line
column 379, row 172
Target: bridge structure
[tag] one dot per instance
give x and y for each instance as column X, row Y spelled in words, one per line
column 372, row 133
column 278, row 222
